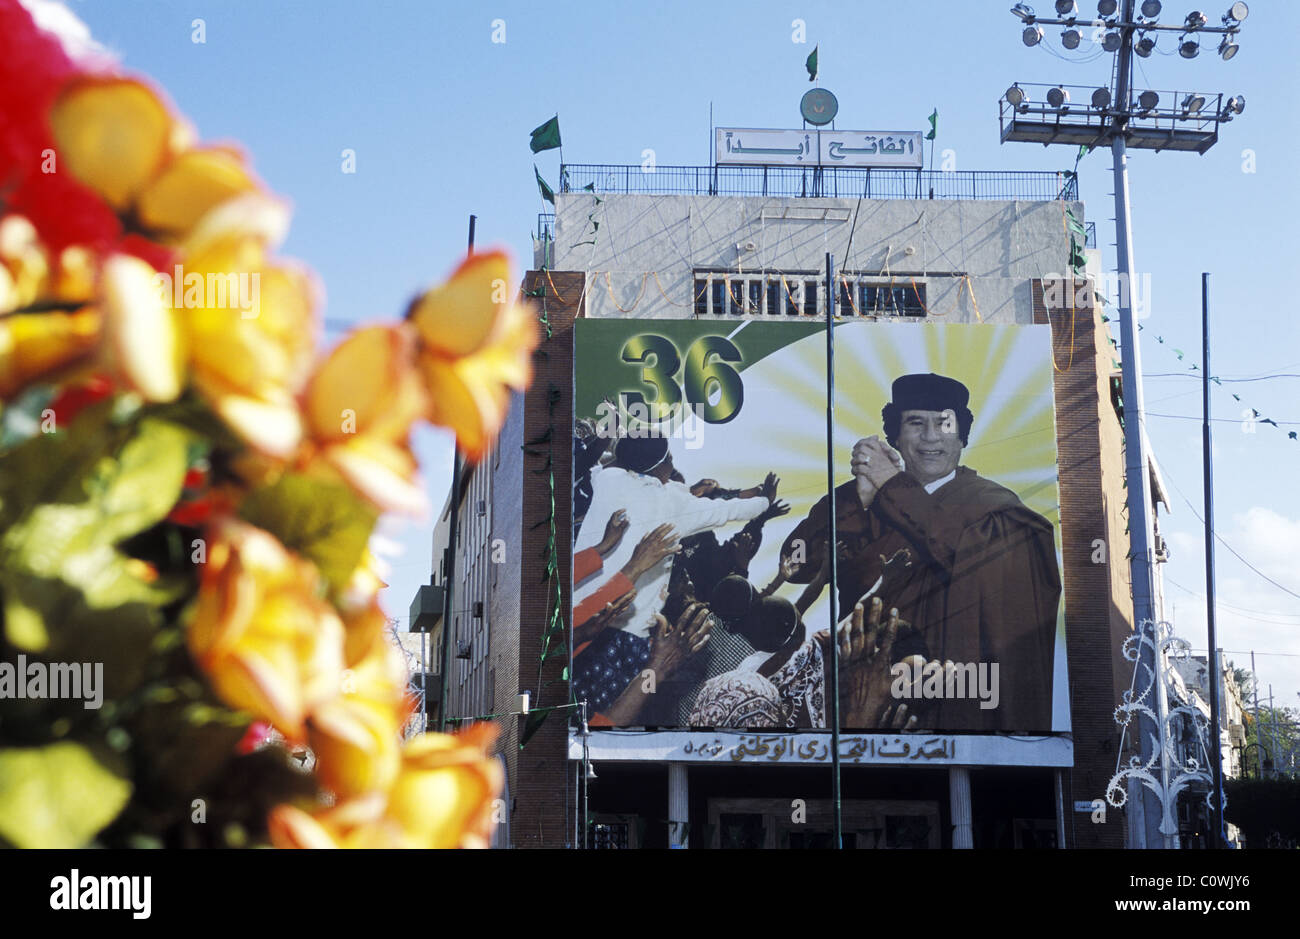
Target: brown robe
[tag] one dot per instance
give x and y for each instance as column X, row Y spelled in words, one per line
column 984, row 586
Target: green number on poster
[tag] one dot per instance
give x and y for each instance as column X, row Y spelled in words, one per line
column 657, row 374
column 704, row 376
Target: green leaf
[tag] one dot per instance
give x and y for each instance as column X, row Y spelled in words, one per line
column 69, row 499
column 57, row 796
column 324, row 521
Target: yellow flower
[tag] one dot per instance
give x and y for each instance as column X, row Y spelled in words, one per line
column 443, row 798
column 118, row 137
column 476, row 343
column 357, row 737
column 353, row 823
column 268, row 642
column 242, row 326
column 359, row 407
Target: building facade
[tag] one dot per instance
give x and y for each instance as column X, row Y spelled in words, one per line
column 740, row 248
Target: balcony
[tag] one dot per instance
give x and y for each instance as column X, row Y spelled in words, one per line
column 830, row 182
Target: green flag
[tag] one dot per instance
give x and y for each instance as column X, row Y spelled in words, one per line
column 546, row 137
column 547, row 193
column 811, row 65
column 934, row 124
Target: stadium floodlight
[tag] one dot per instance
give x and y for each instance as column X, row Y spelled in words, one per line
column 1071, row 38
column 1196, row 19
column 1236, row 104
column 1058, row 97
column 1145, row 46
column 1066, row 8
column 1032, row 35
column 1189, row 48
column 1107, row 7
column 1236, row 13
column 1110, row 42
column 1024, row 11
column 1148, row 100
column 1193, row 103
column 1228, row 48
column 1015, row 96
column 1150, row 8
column 1101, row 99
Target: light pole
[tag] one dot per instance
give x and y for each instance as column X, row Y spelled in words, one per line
column 1123, row 121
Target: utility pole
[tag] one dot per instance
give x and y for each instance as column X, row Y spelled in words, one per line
column 1216, row 750
column 1122, row 122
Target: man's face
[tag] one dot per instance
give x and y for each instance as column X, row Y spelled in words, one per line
column 929, row 444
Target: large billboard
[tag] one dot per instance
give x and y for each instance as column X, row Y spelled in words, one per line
column 702, row 527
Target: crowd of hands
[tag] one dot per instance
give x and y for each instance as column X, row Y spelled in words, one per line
column 865, row 640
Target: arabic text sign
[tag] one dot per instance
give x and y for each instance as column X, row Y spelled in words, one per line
column 755, row 147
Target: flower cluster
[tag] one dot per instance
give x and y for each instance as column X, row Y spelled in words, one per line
column 225, row 478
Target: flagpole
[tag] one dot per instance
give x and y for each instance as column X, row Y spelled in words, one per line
column 831, row 547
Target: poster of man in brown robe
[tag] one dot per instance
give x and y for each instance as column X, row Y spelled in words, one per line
column 983, row 586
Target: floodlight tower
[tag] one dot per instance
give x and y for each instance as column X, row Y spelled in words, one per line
column 1114, row 117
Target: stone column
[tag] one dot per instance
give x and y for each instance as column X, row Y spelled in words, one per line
column 679, row 801
column 959, row 801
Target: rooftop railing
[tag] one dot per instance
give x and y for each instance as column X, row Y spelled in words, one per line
column 842, row 182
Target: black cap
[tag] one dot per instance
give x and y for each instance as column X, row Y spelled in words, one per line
column 641, row 454
column 929, row 392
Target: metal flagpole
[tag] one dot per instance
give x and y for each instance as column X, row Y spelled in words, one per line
column 831, row 547
column 1216, row 755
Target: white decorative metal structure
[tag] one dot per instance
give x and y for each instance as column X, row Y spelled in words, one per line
column 1165, row 773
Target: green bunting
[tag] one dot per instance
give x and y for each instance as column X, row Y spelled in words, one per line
column 546, row 137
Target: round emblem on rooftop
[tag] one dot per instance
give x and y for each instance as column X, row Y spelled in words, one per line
column 819, row 107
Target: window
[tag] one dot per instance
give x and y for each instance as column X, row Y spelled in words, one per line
column 774, row 293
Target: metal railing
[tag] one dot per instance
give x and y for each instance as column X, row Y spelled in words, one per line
column 793, row 182
column 545, row 226
column 1090, row 234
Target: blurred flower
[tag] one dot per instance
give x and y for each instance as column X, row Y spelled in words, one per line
column 242, row 329
column 117, row 136
column 268, row 642
column 443, row 798
column 444, row 794
column 359, row 407
column 476, row 343
column 357, row 737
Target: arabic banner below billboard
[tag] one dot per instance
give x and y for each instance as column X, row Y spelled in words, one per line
column 701, row 567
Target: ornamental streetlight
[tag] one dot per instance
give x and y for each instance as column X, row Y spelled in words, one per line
column 1187, row 124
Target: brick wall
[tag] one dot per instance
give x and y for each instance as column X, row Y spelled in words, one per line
column 543, row 777
column 1098, row 601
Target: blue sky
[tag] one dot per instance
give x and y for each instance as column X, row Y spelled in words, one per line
column 438, row 116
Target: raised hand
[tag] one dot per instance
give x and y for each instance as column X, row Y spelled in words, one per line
column 704, row 487
column 612, row 612
column 650, row 550
column 768, row 489
column 866, row 650
column 670, row 646
column 614, row 529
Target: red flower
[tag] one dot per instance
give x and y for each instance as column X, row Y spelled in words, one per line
column 73, row 399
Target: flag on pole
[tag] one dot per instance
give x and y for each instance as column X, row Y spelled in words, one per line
column 1083, row 152
column 546, row 137
column 934, row 125
column 547, row 193
column 811, row 65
